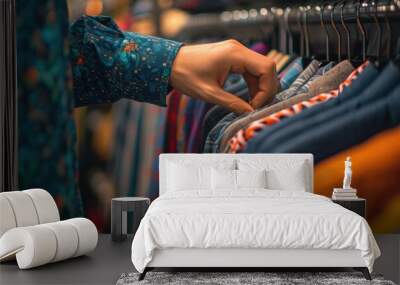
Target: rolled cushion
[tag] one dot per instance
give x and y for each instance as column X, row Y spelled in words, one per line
column 26, row 208
column 23, row 208
column 45, row 205
column 40, row 244
column 33, row 246
column 67, row 240
column 87, row 235
column 7, row 218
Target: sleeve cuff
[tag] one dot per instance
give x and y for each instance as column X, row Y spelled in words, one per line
column 108, row 64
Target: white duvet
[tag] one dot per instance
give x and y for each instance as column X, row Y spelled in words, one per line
column 250, row 219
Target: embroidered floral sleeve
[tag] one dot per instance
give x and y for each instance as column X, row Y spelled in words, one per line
column 108, row 64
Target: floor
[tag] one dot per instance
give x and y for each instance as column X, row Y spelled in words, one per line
column 110, row 260
column 103, row 266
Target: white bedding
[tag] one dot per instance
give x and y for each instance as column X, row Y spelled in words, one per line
column 250, row 218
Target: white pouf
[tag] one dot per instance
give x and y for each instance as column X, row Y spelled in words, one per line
column 37, row 245
column 31, row 231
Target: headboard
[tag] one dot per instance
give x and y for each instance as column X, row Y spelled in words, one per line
column 209, row 158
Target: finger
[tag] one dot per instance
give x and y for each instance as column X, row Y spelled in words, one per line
column 267, row 88
column 263, row 69
column 261, row 89
column 252, row 83
column 225, row 99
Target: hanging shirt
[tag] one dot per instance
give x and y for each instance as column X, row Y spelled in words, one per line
column 195, row 132
column 287, row 129
column 108, row 64
column 172, row 122
column 238, row 142
column 181, row 121
column 352, row 128
column 330, row 77
column 244, row 121
column 289, row 75
column 304, row 76
column 215, row 135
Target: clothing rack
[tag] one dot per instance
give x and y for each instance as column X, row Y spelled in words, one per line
column 269, row 15
column 328, row 21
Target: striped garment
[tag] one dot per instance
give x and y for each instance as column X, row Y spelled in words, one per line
column 304, row 76
column 239, row 141
column 289, row 75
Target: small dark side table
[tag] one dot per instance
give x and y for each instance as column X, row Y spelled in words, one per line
column 358, row 205
column 119, row 208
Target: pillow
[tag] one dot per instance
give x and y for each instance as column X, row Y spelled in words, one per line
column 284, row 174
column 251, row 178
column 193, row 174
column 223, row 179
column 235, row 179
column 291, row 179
column 182, row 177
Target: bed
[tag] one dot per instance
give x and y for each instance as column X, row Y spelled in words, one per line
column 247, row 211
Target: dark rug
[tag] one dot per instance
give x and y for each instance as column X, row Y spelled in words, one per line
column 243, row 278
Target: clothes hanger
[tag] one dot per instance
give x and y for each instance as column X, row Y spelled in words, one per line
column 299, row 24
column 394, row 6
column 282, row 58
column 389, row 6
column 272, row 35
column 289, row 54
column 333, row 24
column 306, row 34
column 377, row 57
column 389, row 31
column 324, row 28
column 362, row 31
column 267, row 35
column 321, row 10
column 288, row 32
column 354, row 61
column 346, row 29
column 303, row 48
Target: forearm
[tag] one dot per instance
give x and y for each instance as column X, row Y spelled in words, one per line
column 108, row 64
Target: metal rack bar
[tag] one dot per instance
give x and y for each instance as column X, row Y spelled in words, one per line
column 266, row 16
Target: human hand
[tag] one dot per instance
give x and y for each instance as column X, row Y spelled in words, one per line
column 200, row 71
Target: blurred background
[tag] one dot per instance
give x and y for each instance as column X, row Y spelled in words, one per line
column 115, row 149
column 119, row 144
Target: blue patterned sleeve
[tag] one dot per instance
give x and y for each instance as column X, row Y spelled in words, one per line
column 108, row 64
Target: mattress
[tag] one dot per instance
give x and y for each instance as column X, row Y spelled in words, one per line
column 251, row 218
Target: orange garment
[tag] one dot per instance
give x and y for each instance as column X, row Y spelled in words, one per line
column 376, row 176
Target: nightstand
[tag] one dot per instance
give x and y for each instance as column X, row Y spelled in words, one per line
column 119, row 208
column 358, row 206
